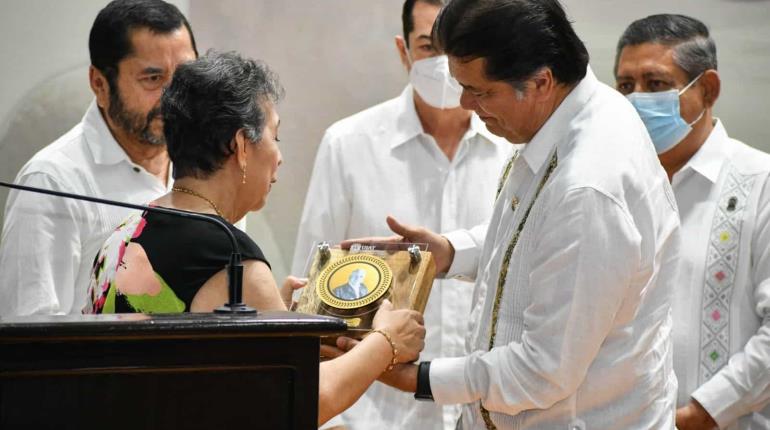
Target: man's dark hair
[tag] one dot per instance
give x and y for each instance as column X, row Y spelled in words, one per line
column 694, row 49
column 208, row 101
column 110, row 38
column 407, row 15
column 516, row 38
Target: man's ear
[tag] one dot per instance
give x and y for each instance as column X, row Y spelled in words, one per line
column 402, row 52
column 711, row 85
column 100, row 86
column 544, row 83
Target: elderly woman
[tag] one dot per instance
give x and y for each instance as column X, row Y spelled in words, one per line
column 221, row 129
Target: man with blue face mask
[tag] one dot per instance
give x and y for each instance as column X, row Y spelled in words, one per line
column 667, row 67
column 417, row 157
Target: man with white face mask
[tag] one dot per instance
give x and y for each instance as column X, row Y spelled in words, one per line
column 424, row 159
column 666, row 65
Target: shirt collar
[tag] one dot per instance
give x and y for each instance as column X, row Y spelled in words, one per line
column 99, row 139
column 554, row 131
column 408, row 125
column 708, row 160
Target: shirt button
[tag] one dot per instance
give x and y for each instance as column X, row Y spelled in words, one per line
column 136, row 169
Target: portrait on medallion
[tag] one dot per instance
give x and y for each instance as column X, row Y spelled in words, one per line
column 354, row 288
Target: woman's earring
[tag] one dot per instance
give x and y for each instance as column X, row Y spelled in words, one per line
column 244, row 175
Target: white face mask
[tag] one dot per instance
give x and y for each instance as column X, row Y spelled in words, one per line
column 431, row 79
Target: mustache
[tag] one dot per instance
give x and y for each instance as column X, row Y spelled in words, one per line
column 153, row 113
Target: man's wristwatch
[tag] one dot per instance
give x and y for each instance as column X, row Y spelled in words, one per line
column 423, row 391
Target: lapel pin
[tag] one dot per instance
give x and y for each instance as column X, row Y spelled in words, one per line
column 731, row 203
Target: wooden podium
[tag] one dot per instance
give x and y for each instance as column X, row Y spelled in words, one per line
column 181, row 371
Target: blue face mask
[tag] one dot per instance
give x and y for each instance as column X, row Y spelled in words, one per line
column 660, row 114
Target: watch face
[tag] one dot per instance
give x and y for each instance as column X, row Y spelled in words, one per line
column 353, row 281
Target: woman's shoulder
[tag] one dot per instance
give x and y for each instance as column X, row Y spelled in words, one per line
column 248, row 248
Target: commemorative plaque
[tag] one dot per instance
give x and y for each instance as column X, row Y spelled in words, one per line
column 351, row 284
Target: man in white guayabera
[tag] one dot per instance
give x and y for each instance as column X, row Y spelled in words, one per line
column 667, row 67
column 571, row 321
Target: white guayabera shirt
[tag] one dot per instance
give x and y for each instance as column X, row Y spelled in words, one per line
column 584, row 322
column 380, row 162
column 49, row 243
column 722, row 302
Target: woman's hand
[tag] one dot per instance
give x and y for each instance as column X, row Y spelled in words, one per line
column 405, row 327
column 343, row 380
column 290, row 285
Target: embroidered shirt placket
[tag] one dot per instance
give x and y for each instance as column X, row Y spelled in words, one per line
column 721, row 268
column 503, row 275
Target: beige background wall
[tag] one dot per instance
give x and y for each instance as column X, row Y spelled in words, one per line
column 335, row 57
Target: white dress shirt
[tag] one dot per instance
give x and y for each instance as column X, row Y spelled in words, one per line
column 722, row 302
column 380, row 162
column 583, row 335
column 49, row 243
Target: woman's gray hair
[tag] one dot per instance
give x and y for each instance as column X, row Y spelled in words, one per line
column 209, row 100
column 694, row 49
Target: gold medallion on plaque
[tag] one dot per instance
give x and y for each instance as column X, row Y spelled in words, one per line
column 353, row 282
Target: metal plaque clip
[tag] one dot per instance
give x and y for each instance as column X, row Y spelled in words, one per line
column 415, row 257
column 324, row 254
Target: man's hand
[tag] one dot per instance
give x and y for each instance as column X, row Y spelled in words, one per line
column 694, row 417
column 438, row 245
column 403, row 377
column 343, row 345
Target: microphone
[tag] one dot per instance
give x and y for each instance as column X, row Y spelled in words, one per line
column 234, row 267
